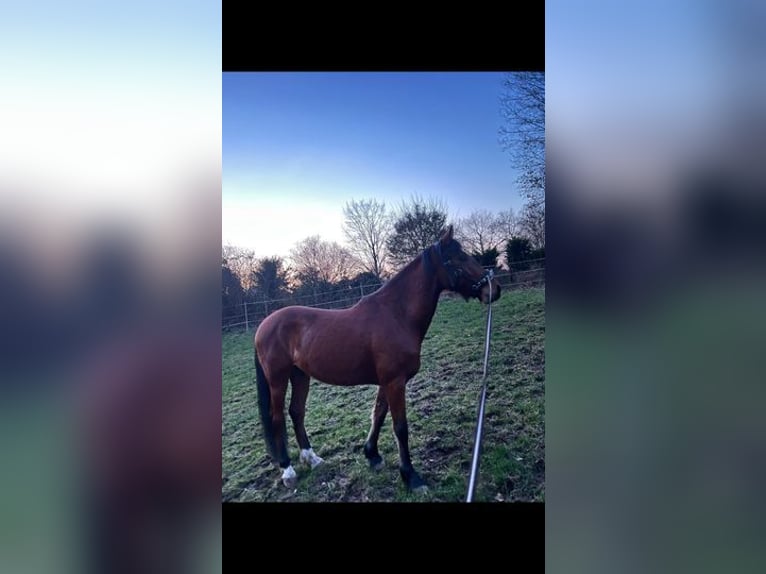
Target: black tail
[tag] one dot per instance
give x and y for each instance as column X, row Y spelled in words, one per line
column 264, row 407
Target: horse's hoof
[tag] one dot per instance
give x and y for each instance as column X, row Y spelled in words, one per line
column 377, row 464
column 316, row 461
column 418, row 486
column 308, row 456
column 289, row 478
column 414, row 482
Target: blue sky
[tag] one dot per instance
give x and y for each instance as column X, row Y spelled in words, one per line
column 298, row 146
column 113, row 102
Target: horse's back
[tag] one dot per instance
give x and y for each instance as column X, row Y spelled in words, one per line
column 293, row 317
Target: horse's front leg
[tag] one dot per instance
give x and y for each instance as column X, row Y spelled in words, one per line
column 395, row 393
column 379, row 412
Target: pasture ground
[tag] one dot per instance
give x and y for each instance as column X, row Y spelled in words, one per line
column 442, row 405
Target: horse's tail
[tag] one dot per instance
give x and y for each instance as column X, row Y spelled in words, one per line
column 264, row 407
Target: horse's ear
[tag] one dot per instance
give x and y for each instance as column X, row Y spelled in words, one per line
column 446, row 236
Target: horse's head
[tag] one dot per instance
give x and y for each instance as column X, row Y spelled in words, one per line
column 461, row 273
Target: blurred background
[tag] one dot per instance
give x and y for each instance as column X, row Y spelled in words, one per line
column 110, row 175
column 656, row 125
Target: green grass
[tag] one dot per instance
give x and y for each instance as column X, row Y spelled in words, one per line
column 442, row 405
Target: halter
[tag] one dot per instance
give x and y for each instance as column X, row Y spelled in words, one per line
column 488, row 275
column 453, row 272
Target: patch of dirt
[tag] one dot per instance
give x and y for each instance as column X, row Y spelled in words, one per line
column 441, row 451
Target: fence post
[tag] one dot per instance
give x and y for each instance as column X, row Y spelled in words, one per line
column 361, row 289
column 265, row 306
column 247, row 326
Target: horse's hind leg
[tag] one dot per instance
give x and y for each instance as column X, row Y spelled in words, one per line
column 279, row 428
column 379, row 412
column 300, row 382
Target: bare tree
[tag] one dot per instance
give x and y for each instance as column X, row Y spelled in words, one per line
column 231, row 289
column 523, row 135
column 481, row 231
column 315, row 260
column 242, row 263
column 508, row 223
column 417, row 224
column 367, row 227
column 532, row 224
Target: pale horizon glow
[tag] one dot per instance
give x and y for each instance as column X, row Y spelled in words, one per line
column 298, row 146
column 102, row 114
column 245, row 226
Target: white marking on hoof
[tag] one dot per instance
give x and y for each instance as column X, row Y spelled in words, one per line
column 423, row 489
column 379, row 466
column 289, row 478
column 308, row 456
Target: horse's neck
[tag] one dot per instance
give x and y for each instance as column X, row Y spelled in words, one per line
column 414, row 292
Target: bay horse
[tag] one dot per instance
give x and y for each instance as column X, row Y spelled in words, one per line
column 375, row 342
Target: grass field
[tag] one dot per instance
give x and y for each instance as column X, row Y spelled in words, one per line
column 442, row 405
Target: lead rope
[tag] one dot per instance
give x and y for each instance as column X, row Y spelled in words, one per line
column 480, row 423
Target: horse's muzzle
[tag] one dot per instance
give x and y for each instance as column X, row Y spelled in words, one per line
column 485, row 286
column 485, row 292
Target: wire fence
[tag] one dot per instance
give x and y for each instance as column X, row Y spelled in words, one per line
column 247, row 315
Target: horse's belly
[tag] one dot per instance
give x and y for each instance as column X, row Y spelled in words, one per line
column 335, row 352
column 339, row 369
